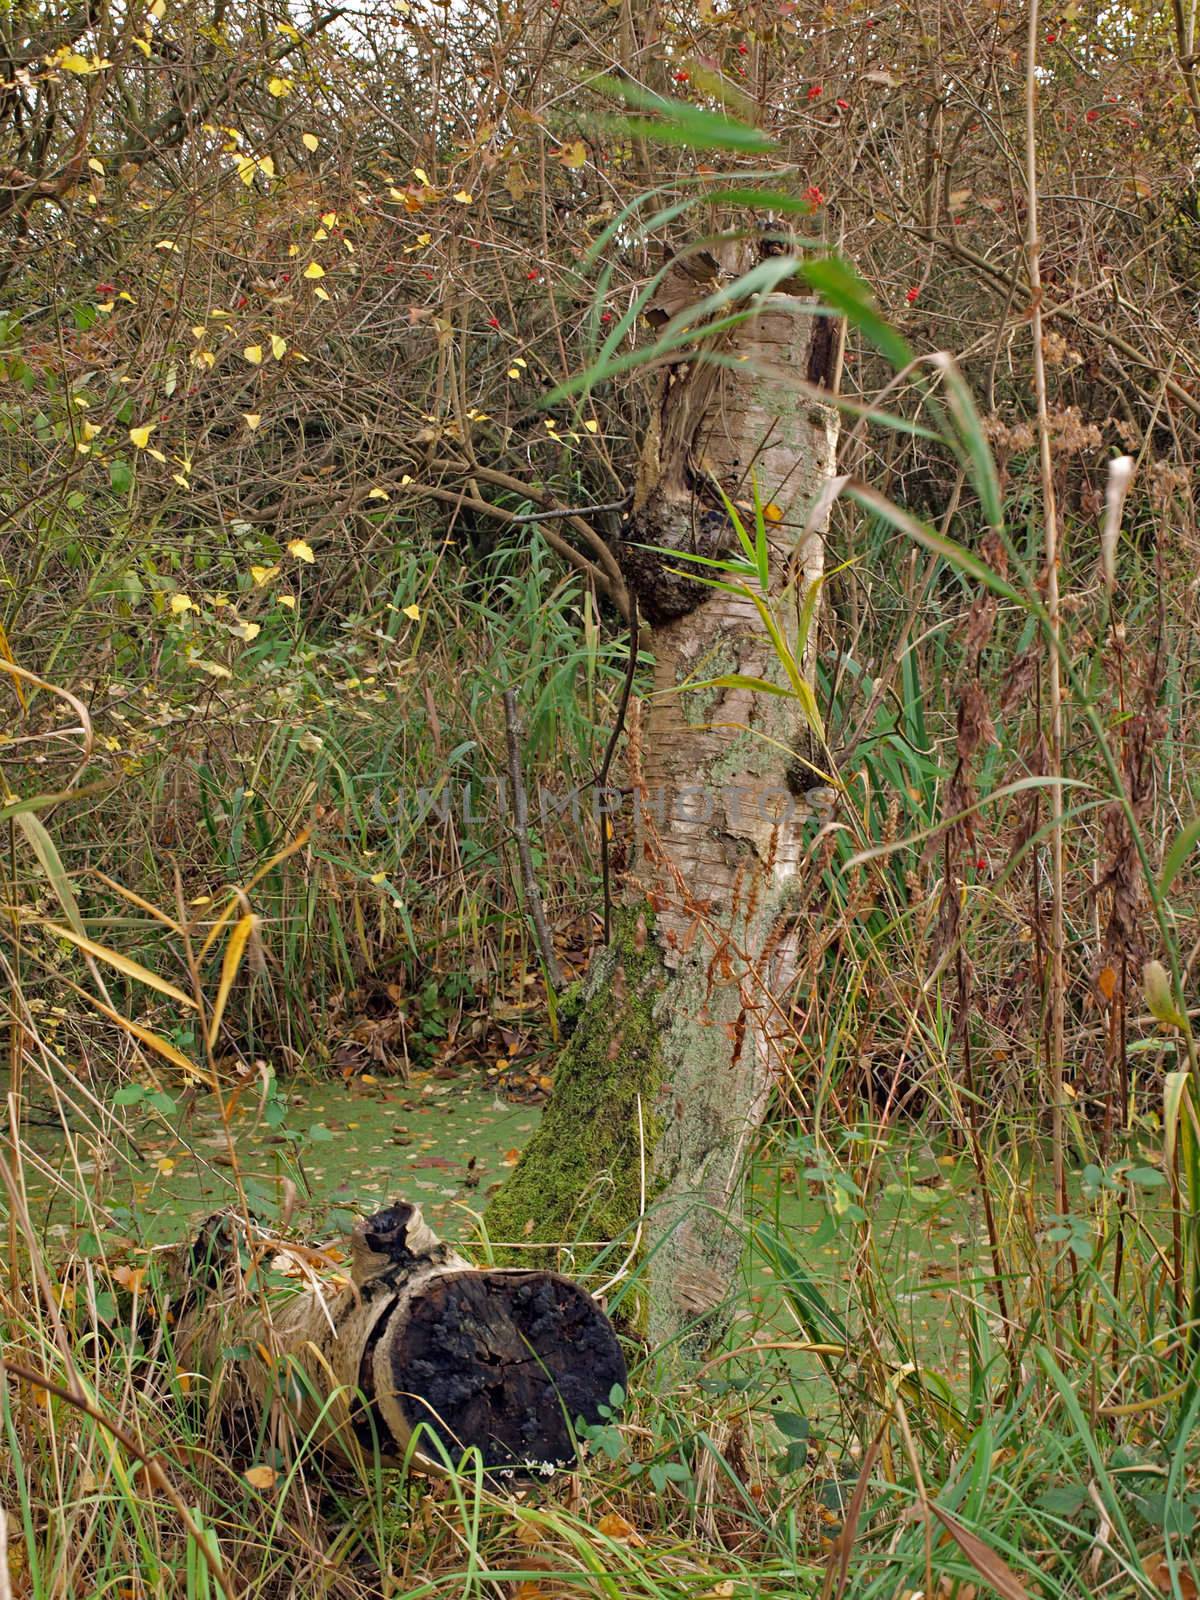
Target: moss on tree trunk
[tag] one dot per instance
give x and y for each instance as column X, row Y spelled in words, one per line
column 579, row 1177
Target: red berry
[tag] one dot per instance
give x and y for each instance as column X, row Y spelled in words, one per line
column 843, row 105
column 814, row 196
column 606, row 316
column 681, row 77
column 743, row 49
column 815, row 92
column 493, row 322
column 912, row 294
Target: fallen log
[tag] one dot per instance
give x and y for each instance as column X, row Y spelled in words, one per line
column 417, row 1355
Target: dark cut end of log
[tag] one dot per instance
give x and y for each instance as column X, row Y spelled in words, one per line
column 506, row 1362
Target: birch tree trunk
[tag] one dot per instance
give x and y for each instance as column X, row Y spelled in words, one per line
column 683, row 1029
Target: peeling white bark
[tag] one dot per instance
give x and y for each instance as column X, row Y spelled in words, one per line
column 720, row 877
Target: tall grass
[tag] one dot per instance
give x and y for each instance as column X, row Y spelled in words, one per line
column 1043, row 1442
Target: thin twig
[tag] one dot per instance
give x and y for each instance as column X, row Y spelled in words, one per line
column 533, row 895
column 572, row 511
column 1050, row 535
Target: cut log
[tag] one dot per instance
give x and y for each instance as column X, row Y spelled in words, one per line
column 417, row 1354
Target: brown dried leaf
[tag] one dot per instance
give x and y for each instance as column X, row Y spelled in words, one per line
column 993, row 1569
column 1158, row 1570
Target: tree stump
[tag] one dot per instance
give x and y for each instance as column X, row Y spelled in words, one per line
column 416, row 1345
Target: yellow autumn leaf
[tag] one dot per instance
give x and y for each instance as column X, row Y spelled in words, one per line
column 235, row 949
column 166, row 244
column 310, row 141
column 592, row 425
column 141, row 436
column 143, row 45
column 158, row 9
column 278, row 346
column 464, row 198
column 320, row 235
column 253, row 354
column 293, row 250
column 278, row 87
column 574, row 154
column 329, row 219
column 378, row 494
column 157, row 454
column 94, row 165
column 251, row 419
column 321, row 294
column 106, row 306
column 413, row 612
column 263, row 575
column 514, row 372
column 772, row 512
column 249, row 631
column 166, row 1166
column 123, row 963
column 260, row 1477
column 314, row 270
column 179, row 604
column 178, row 477
column 301, row 549
column 288, row 600
column 71, row 61
column 422, row 177
column 88, row 429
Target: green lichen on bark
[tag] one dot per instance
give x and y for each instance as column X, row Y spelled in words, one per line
column 578, row 1178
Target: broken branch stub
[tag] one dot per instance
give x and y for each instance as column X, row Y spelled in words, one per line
column 502, row 1360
